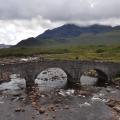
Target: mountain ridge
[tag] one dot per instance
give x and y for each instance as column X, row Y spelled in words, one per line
column 63, row 33
column 5, row 46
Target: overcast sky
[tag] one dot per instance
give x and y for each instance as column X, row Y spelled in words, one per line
column 20, row 19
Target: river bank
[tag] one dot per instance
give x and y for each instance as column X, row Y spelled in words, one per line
column 89, row 103
column 49, row 99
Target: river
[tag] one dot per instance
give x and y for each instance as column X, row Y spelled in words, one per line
column 49, row 100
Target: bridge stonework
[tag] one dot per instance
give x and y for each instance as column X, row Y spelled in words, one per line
column 73, row 69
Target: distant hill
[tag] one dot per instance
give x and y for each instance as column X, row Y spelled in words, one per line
column 71, row 30
column 4, row 46
column 70, row 34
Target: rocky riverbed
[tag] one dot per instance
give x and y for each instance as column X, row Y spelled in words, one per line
column 102, row 104
column 49, row 99
column 86, row 103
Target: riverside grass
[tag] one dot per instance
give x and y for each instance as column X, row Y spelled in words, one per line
column 79, row 52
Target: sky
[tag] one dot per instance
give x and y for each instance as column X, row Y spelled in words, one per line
column 20, row 19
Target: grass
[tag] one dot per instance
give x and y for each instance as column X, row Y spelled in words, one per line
column 82, row 52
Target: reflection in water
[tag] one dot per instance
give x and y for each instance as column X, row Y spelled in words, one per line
column 51, row 78
column 47, row 80
column 16, row 83
column 87, row 80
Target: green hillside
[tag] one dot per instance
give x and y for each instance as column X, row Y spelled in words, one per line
column 74, row 35
column 72, row 52
column 107, row 38
column 91, row 43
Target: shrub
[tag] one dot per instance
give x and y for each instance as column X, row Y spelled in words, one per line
column 77, row 58
column 66, row 51
column 99, row 51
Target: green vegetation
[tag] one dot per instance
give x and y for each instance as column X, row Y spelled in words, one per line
column 80, row 52
column 107, row 38
column 87, row 39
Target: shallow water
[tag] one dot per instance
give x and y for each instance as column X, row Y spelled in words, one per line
column 16, row 83
column 87, row 80
column 84, row 107
column 51, row 78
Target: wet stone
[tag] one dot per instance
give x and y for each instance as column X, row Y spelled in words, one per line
column 85, row 93
column 19, row 109
column 111, row 103
column 34, row 103
column 41, row 110
column 53, row 116
column 66, row 107
column 51, row 108
column 117, row 108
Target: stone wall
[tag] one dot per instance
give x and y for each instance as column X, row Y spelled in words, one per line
column 73, row 69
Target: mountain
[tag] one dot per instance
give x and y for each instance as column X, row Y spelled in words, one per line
column 4, row 46
column 73, row 34
column 28, row 42
column 71, row 30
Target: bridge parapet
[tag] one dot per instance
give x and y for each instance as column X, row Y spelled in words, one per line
column 73, row 69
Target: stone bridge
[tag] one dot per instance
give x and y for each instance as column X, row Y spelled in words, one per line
column 73, row 69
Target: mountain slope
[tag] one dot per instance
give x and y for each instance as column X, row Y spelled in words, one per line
column 72, row 34
column 28, row 42
column 4, row 46
column 70, row 30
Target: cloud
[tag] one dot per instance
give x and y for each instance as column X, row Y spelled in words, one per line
column 61, row 10
column 13, row 31
column 20, row 19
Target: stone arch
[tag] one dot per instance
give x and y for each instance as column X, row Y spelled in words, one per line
column 69, row 77
column 102, row 77
column 4, row 76
column 62, row 68
column 117, row 74
column 116, row 78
